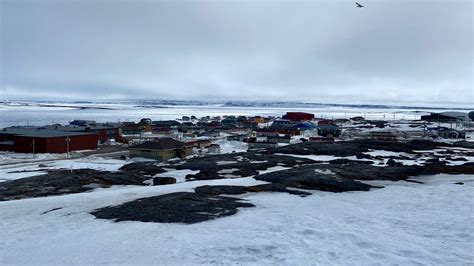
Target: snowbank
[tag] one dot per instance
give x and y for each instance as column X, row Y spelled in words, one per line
column 404, row 223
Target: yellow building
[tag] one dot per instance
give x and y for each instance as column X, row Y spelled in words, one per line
column 161, row 149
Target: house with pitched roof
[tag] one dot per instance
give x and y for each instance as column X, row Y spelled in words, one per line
column 161, row 149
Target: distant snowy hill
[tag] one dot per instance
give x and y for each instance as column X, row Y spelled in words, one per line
column 170, row 103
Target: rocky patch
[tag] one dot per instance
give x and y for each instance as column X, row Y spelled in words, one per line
column 179, row 207
column 159, row 180
column 65, row 182
column 237, row 190
column 146, row 168
column 211, row 167
column 313, row 177
column 358, row 147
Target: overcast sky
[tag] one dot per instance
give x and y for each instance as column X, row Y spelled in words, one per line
column 404, row 51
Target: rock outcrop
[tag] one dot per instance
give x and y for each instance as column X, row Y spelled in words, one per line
column 179, row 207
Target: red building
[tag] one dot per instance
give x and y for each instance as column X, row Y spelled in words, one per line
column 298, row 116
column 34, row 140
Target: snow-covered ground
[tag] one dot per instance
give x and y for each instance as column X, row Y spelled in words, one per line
column 13, row 157
column 32, row 168
column 403, row 223
column 231, row 146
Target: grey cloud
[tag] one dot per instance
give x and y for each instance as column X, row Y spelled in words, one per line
column 324, row 51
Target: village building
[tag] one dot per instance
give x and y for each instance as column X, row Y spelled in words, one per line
column 383, row 135
column 104, row 132
column 166, row 123
column 446, row 117
column 238, row 137
column 82, row 123
column 358, row 119
column 210, row 134
column 286, row 130
column 306, row 125
column 448, row 133
column 298, row 116
column 145, row 121
column 130, row 128
column 277, row 138
column 39, row 140
column 258, row 119
column 161, row 149
column 321, row 139
column 262, row 145
column 329, row 130
column 214, row 148
column 199, row 143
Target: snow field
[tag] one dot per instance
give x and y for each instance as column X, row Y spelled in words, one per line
column 403, row 223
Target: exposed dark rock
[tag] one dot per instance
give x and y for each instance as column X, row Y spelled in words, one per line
column 355, row 147
column 457, row 159
column 464, row 144
column 392, row 163
column 347, row 161
column 276, row 187
column 42, row 165
column 179, row 207
column 146, row 168
column 52, row 210
column 466, row 168
column 363, row 156
column 459, row 183
column 236, row 190
column 245, row 172
column 204, row 175
column 65, row 182
column 360, row 171
column 433, row 160
column 218, row 190
column 414, row 181
column 245, row 163
column 341, row 149
column 159, row 180
column 312, row 177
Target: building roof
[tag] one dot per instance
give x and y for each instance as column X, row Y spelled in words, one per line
column 305, row 125
column 451, row 114
column 39, row 132
column 299, row 113
column 459, row 115
column 160, row 144
column 74, row 128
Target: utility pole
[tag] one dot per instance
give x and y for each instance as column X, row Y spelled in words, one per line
column 67, row 143
column 33, row 148
column 67, row 146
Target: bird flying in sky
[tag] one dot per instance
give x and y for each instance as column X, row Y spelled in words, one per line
column 359, row 5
